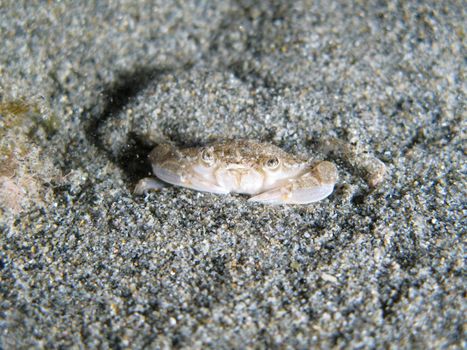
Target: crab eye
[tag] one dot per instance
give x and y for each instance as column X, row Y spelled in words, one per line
column 207, row 156
column 272, row 163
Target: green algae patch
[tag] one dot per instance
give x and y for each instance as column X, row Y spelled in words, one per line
column 17, row 107
column 21, row 113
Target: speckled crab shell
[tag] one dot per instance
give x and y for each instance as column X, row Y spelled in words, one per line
column 261, row 170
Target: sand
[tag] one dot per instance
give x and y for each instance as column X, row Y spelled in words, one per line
column 88, row 89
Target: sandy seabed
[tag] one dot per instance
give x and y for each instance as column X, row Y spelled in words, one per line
column 88, row 88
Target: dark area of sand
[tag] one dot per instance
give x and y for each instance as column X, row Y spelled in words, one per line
column 86, row 90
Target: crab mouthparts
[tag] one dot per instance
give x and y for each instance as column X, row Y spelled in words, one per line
column 240, row 179
column 238, row 167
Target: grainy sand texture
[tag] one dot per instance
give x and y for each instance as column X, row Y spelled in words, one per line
column 88, row 88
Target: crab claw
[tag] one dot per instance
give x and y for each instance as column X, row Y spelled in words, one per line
column 187, row 180
column 310, row 187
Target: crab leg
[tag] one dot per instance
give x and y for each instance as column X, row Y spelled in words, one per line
column 312, row 186
column 148, row 184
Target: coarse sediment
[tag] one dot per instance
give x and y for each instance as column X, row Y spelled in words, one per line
column 88, row 88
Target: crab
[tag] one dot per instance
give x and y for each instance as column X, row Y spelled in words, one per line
column 262, row 170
